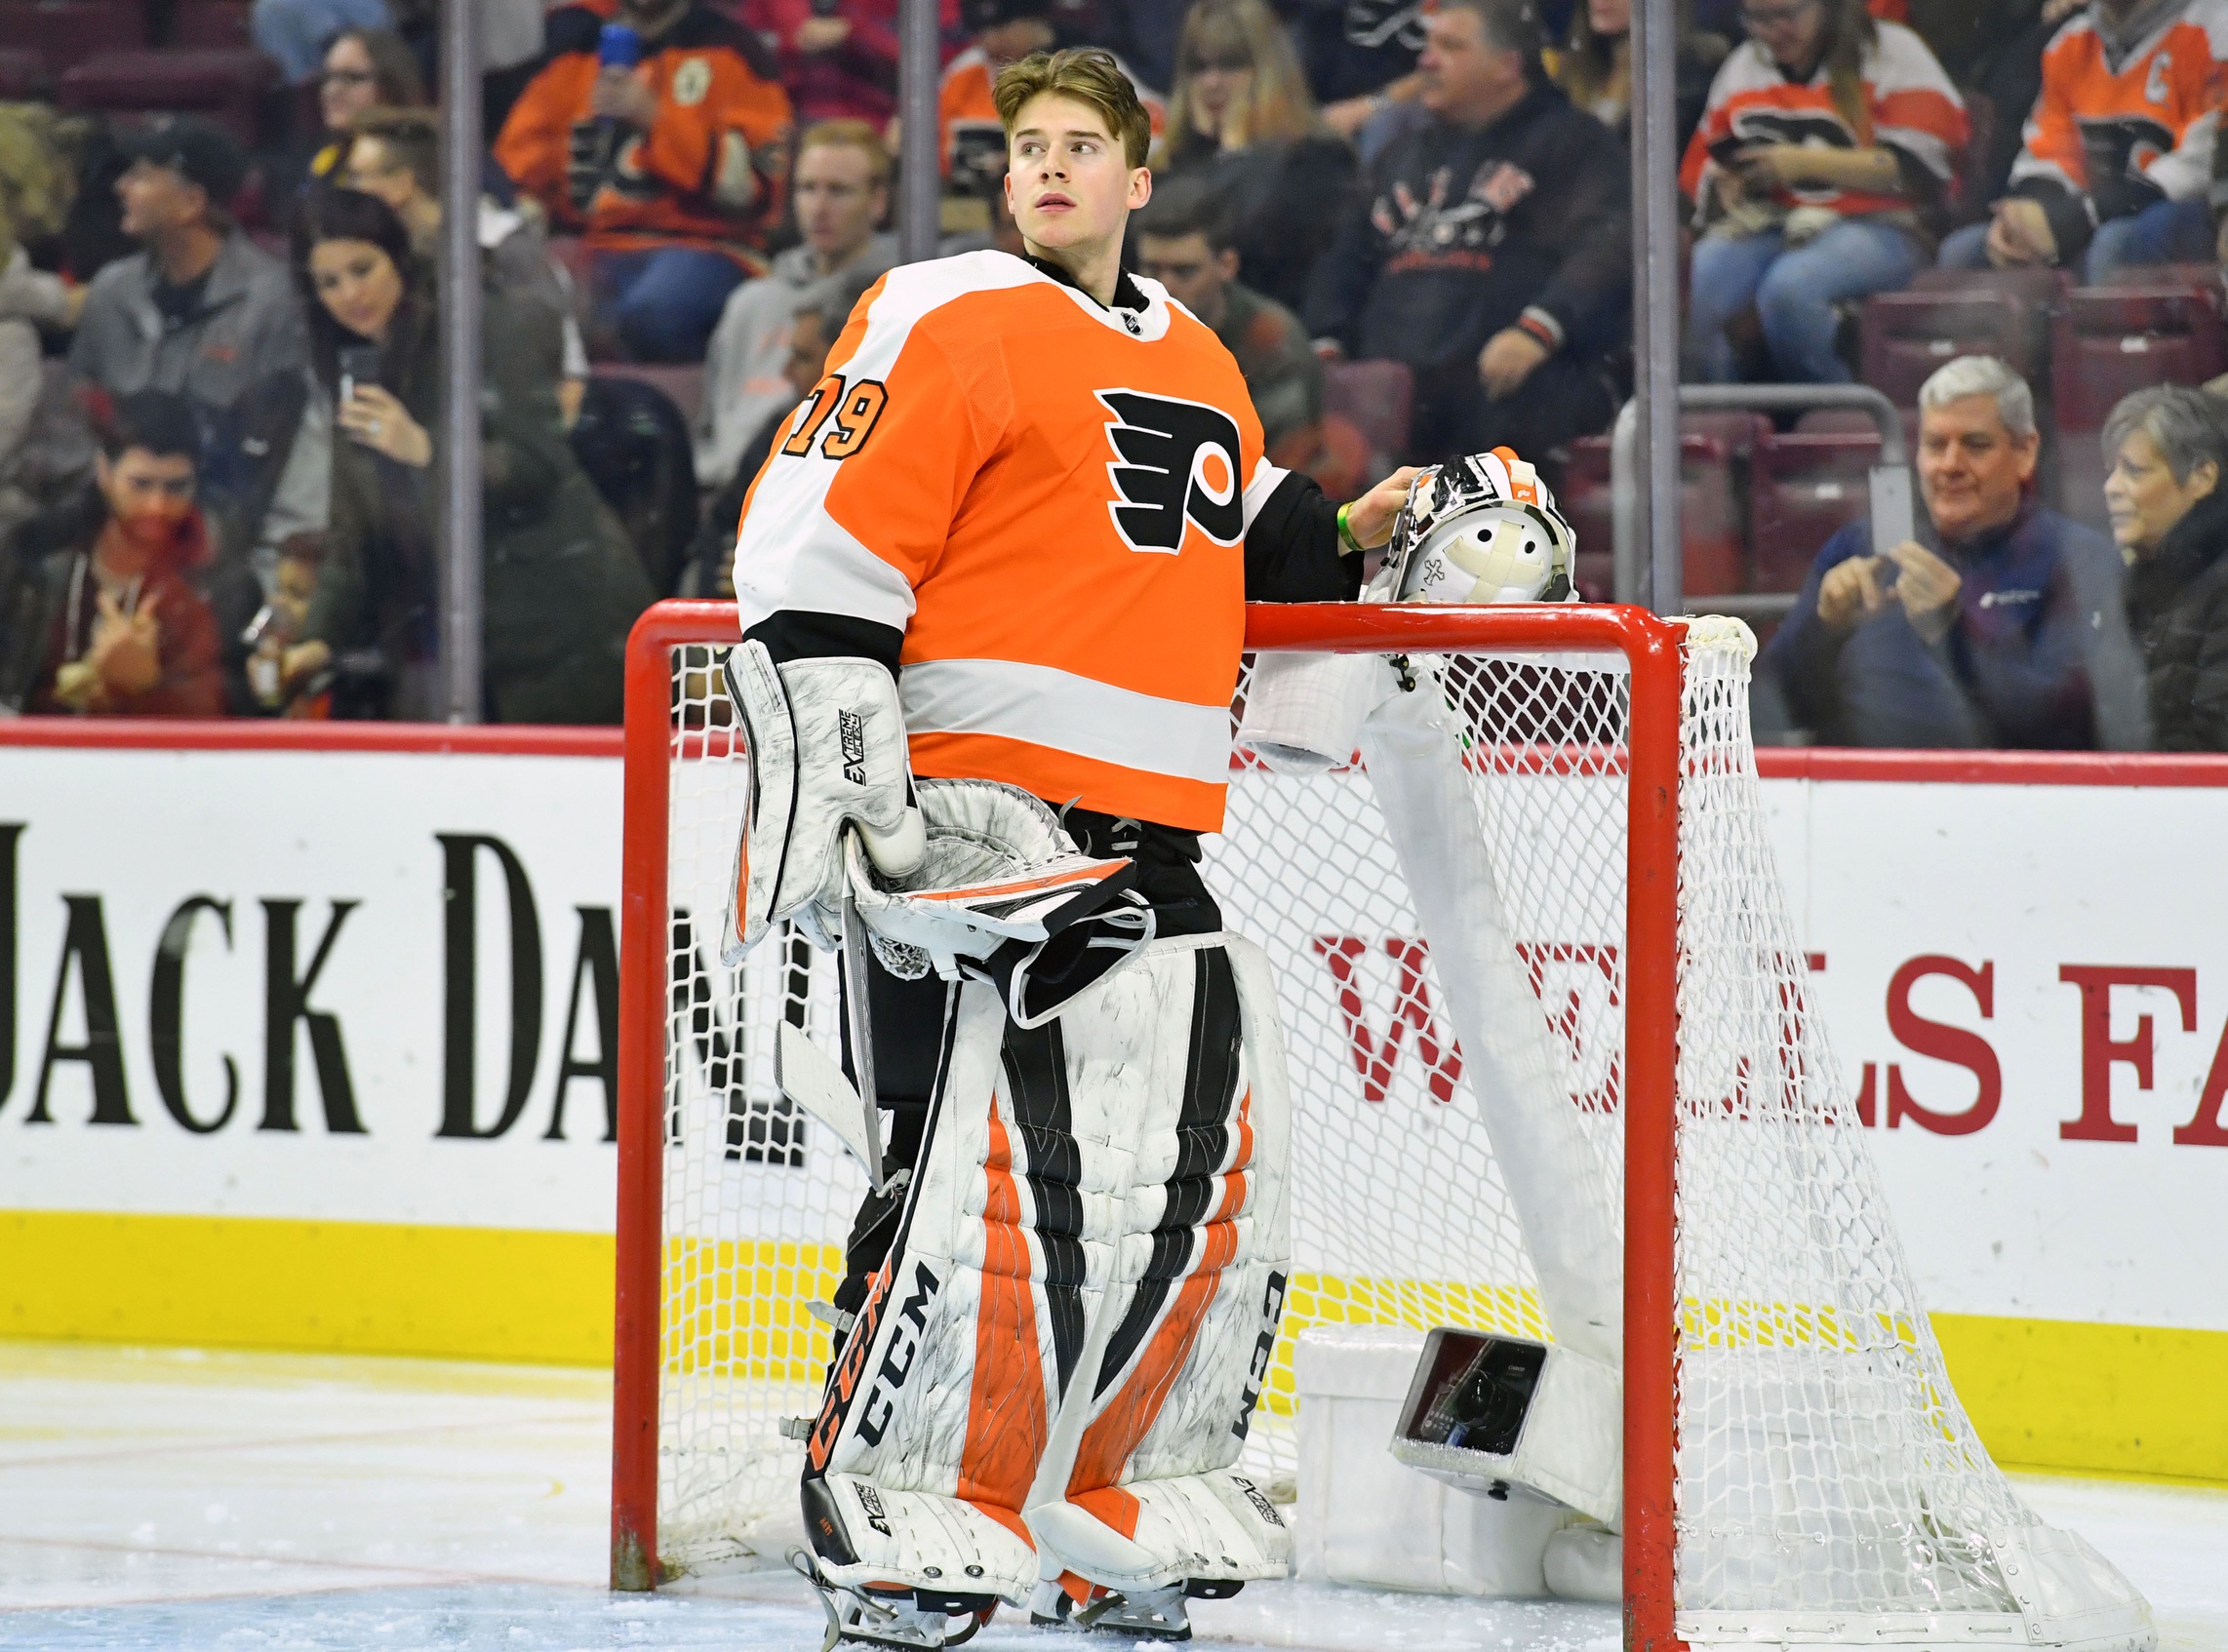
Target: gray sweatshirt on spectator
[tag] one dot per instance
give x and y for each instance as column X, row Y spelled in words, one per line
column 745, row 384
column 248, row 329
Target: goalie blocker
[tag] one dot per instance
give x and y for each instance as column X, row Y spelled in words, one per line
column 1048, row 1370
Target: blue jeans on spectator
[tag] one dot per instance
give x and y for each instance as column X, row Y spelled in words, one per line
column 296, row 31
column 1795, row 291
column 663, row 304
column 2165, row 232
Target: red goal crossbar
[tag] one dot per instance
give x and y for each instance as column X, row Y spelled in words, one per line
column 1650, row 645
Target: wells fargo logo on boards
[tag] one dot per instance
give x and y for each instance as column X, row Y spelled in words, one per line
column 1577, row 990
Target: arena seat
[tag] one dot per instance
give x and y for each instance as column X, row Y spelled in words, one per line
column 65, row 32
column 2110, row 340
column 1950, row 313
column 225, row 85
column 212, row 23
column 1374, row 398
column 1802, row 488
column 1709, row 507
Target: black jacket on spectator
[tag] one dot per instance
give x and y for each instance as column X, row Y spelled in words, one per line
column 2177, row 607
column 1284, row 201
column 562, row 583
column 1467, row 229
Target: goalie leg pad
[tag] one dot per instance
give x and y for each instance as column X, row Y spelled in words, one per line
column 1137, row 1488
column 1093, row 1242
column 942, row 1399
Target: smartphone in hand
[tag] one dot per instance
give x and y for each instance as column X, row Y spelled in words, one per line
column 359, row 364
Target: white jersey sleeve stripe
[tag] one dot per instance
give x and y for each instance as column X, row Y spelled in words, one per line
column 1049, row 707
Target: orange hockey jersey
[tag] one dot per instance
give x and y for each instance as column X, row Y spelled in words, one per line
column 1910, row 105
column 2121, row 125
column 1049, row 499
column 712, row 169
column 973, row 138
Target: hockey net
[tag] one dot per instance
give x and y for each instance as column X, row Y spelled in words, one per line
column 1807, row 1472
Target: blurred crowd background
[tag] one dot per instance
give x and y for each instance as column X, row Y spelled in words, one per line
column 1410, row 222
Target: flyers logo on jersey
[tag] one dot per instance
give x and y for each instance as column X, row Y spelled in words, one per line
column 1176, row 462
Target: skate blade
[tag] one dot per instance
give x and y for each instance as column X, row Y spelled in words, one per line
column 857, row 1619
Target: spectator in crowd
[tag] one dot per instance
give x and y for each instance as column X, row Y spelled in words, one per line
column 1245, row 124
column 2000, row 625
column 205, row 313
column 1820, row 164
column 301, row 33
column 98, row 614
column 1595, row 67
column 2167, row 448
column 1183, row 242
column 820, row 313
column 365, row 70
column 839, row 58
column 282, row 623
column 1360, row 57
column 2116, row 163
column 1494, row 253
column 42, row 450
column 395, row 154
column 562, row 585
column 972, row 141
column 999, row 234
column 1141, row 33
column 841, row 188
column 2004, row 75
column 674, row 168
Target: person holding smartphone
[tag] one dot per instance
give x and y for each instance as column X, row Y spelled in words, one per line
column 561, row 583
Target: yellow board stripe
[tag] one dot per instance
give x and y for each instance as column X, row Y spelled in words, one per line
column 2082, row 1399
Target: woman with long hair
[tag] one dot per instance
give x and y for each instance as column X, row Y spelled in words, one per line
column 1819, row 169
column 560, row 583
column 1595, row 66
column 1241, row 118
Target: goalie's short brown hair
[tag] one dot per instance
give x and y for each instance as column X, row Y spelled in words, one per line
column 1089, row 75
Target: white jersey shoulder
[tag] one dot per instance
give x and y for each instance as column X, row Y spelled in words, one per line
column 974, row 57
column 1901, row 61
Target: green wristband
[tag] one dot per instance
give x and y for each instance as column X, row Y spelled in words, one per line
column 1346, row 533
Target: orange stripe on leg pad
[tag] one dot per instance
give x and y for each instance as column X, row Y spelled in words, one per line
column 1007, row 1424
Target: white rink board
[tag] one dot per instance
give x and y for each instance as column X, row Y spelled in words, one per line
column 2021, row 880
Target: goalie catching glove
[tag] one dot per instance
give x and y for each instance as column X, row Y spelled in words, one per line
column 827, row 751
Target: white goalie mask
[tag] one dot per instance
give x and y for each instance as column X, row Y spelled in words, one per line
column 1481, row 529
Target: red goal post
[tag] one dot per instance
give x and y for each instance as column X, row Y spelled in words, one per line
column 1652, row 651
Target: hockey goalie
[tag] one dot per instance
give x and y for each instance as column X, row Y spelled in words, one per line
column 991, row 585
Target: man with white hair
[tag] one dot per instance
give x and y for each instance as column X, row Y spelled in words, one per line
column 1999, row 625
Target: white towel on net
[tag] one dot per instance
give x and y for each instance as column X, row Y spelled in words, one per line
column 1303, row 712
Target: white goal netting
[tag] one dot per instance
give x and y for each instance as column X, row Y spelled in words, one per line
column 1824, row 1465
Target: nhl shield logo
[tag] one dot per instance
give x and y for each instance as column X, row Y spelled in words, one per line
column 1176, row 462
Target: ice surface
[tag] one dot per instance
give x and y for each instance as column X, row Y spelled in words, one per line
column 211, row 1502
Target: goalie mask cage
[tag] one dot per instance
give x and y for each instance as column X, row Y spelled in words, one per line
column 1796, row 1467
